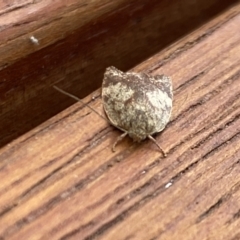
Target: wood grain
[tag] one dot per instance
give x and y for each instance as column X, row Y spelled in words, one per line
column 77, row 41
column 61, row 180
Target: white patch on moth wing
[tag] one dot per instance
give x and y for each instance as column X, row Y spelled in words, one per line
column 118, row 106
column 112, row 71
column 159, row 99
column 118, row 91
column 163, row 105
column 117, row 94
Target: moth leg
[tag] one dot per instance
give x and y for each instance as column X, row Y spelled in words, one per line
column 153, row 140
column 120, row 138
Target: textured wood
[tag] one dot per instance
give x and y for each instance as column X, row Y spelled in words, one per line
column 61, row 180
column 78, row 39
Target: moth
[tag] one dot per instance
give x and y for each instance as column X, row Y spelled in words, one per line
column 138, row 104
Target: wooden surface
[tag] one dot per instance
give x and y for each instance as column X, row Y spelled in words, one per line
column 78, row 39
column 61, row 180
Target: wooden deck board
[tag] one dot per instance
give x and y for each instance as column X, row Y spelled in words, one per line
column 61, row 180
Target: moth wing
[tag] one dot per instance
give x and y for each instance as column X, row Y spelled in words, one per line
column 164, row 97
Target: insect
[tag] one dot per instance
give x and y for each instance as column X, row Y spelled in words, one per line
column 136, row 103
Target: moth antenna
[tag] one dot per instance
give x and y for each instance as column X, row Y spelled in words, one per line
column 79, row 100
column 154, row 140
column 120, row 138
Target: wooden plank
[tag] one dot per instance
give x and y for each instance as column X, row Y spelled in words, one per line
column 77, row 41
column 61, row 180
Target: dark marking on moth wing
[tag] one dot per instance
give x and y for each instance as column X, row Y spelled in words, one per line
column 137, row 103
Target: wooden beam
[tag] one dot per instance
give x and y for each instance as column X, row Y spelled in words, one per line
column 74, row 41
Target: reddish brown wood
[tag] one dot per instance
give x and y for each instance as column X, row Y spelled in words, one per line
column 61, row 180
column 77, row 41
